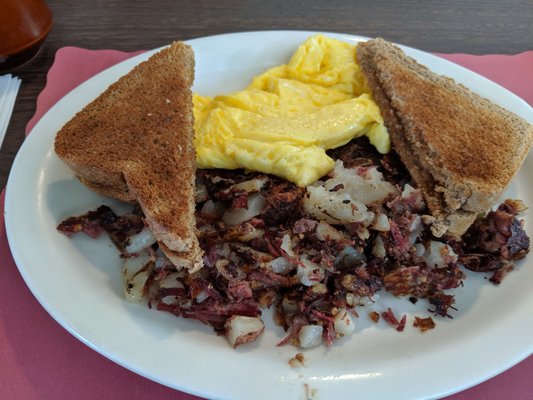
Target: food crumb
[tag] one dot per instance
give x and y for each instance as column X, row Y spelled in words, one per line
column 374, row 316
column 309, row 392
column 401, row 324
column 499, row 274
column 391, row 319
column 297, row 361
column 424, row 324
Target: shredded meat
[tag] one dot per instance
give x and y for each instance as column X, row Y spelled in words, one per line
column 308, row 269
column 391, row 319
column 357, row 153
column 239, row 199
column 284, row 201
column 93, row 223
column 360, row 282
column 492, row 242
column 500, row 273
column 422, row 281
column 304, row 225
column 360, row 152
column 442, row 302
column 211, row 311
column 397, row 241
column 239, row 290
column 218, row 183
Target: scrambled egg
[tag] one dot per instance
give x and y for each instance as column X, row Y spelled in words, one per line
column 284, row 122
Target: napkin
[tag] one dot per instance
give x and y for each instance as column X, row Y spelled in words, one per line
column 9, row 87
column 40, row 360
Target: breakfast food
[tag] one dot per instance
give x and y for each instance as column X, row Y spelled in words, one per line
column 268, row 244
column 313, row 251
column 134, row 143
column 461, row 149
column 286, row 119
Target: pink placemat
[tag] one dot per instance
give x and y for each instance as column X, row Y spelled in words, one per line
column 40, row 360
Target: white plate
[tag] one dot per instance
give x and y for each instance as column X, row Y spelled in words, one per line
column 78, row 281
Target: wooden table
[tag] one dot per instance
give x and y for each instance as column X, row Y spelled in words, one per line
column 489, row 26
column 445, row 26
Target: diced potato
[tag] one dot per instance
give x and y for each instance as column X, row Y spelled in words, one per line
column 326, row 232
column 343, row 198
column 309, row 272
column 333, row 207
column 134, row 289
column 281, row 265
column 243, row 232
column 364, row 185
column 378, row 248
column 381, row 223
column 214, row 209
column 252, row 185
column 344, row 324
column 140, row 241
column 310, row 336
column 132, row 265
column 286, row 246
column 255, row 205
column 242, row 329
column 439, row 255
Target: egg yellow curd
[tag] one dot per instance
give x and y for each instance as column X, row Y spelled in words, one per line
column 286, row 119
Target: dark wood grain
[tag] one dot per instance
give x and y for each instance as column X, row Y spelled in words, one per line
column 476, row 27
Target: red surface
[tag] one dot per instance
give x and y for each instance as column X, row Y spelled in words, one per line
column 40, row 360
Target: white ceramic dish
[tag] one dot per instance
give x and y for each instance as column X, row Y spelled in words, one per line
column 79, row 283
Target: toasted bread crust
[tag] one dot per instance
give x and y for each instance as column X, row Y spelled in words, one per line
column 192, row 259
column 110, row 191
column 461, row 149
column 135, row 141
